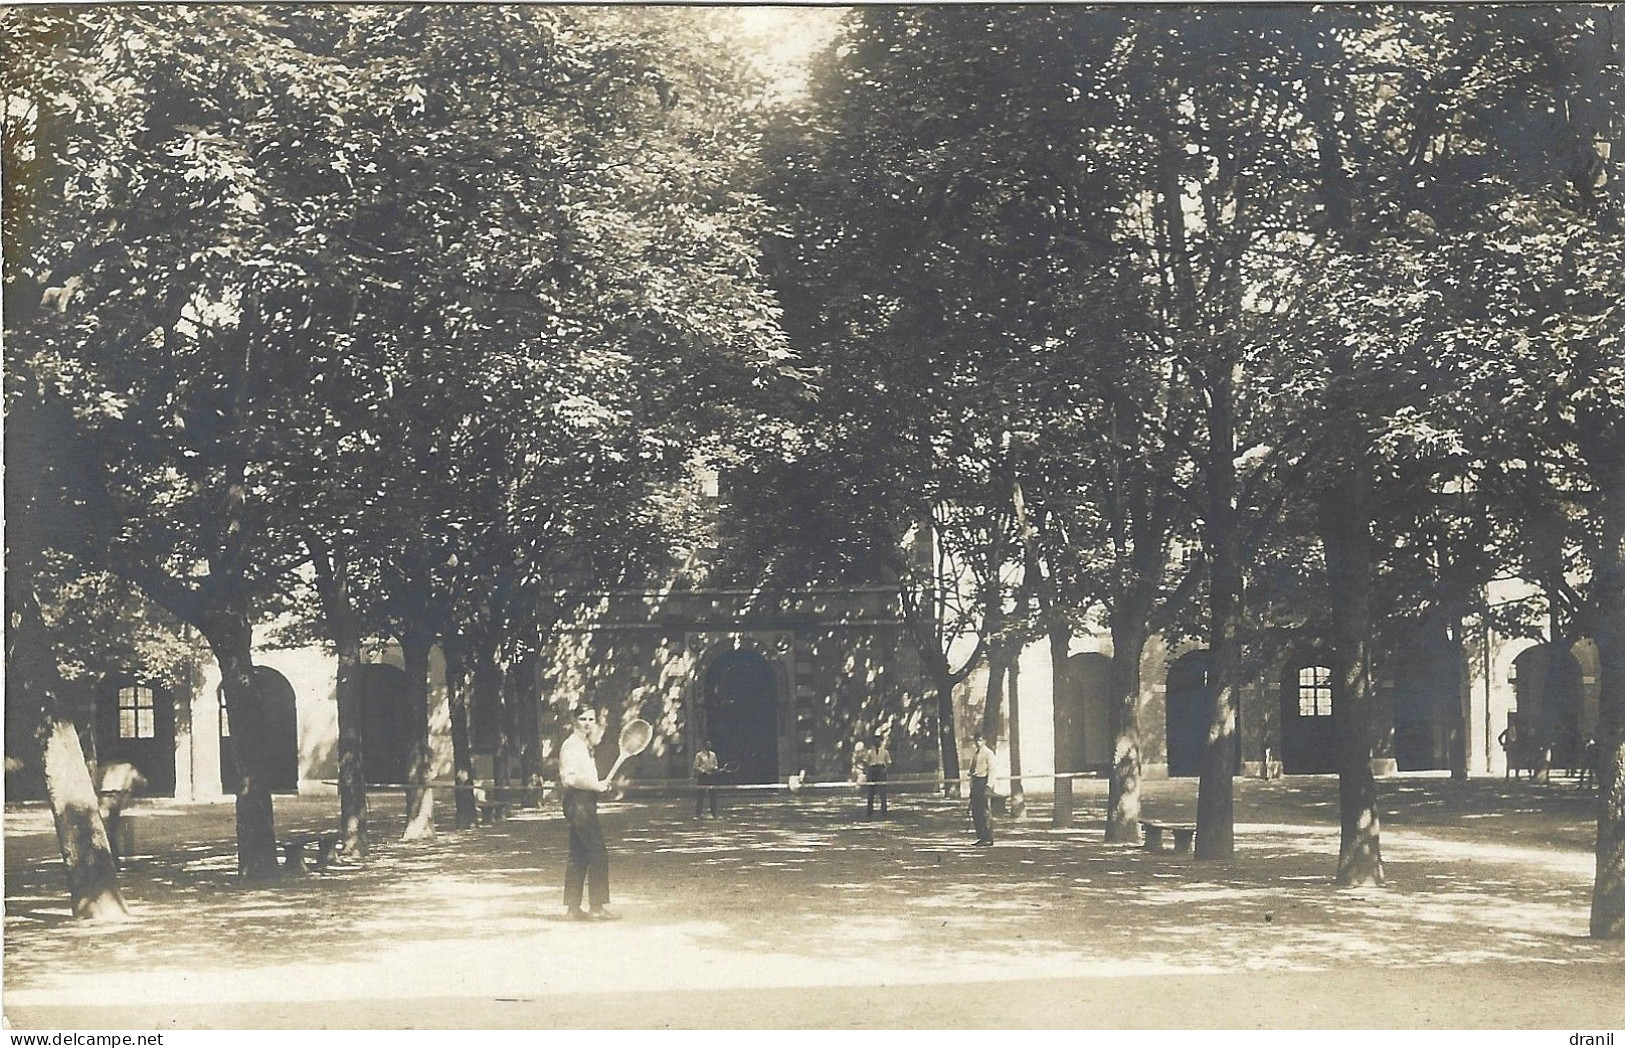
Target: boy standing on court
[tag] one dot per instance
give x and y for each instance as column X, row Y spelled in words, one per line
column 705, row 777
column 878, row 767
column 589, row 858
column 981, row 769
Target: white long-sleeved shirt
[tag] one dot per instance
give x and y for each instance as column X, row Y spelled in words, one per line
column 981, row 765
column 577, row 769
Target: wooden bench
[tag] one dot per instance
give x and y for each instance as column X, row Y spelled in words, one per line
column 493, row 805
column 1182, row 832
column 328, row 847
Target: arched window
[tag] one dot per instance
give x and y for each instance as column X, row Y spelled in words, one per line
column 1315, row 691
column 137, row 712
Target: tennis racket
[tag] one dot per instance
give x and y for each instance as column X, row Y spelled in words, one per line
column 635, row 737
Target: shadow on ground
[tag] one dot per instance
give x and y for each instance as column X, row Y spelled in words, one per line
column 803, row 892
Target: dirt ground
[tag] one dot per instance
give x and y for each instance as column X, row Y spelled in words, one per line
column 793, row 912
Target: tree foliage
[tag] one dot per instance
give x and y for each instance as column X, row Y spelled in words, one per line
column 379, row 285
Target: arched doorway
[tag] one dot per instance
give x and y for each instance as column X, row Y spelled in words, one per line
column 1190, row 711
column 1082, row 724
column 135, row 722
column 386, row 726
column 1549, row 703
column 740, row 708
column 276, row 698
column 1427, row 682
column 1308, row 729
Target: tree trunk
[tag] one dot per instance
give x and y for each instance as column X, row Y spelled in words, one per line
column 80, row 835
column 34, row 692
column 998, row 665
column 462, row 753
column 1461, row 682
column 1346, row 534
column 1608, row 585
column 486, row 713
column 947, row 737
column 922, row 614
column 1215, row 791
column 352, row 773
column 1018, row 792
column 1129, row 634
column 224, row 620
column 229, row 637
column 415, row 645
column 527, row 692
column 999, row 654
column 993, row 708
column 1548, row 740
column 506, row 762
column 333, row 587
column 36, row 714
column 1064, row 711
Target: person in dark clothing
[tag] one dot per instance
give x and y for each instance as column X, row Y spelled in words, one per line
column 1590, row 763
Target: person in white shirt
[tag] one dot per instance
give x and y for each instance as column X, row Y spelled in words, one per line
column 981, row 769
column 589, row 858
column 116, row 785
column 877, row 767
column 705, row 774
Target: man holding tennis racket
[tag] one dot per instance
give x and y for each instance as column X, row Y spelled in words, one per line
column 706, row 768
column 589, row 858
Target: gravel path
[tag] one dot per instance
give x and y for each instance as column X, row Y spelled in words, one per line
column 803, row 915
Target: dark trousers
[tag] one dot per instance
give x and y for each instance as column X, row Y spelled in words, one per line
column 706, row 790
column 114, row 823
column 589, row 859
column 978, row 808
column 876, row 775
column 113, row 803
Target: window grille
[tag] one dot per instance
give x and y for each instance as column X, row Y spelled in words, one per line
column 1315, row 691
column 137, row 712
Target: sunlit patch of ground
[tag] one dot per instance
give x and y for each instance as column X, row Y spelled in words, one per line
column 807, row 894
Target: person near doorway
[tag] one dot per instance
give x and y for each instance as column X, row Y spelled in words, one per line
column 1590, row 762
column 589, row 857
column 1540, row 769
column 981, row 772
column 115, row 789
column 705, row 778
column 876, row 768
column 1510, row 751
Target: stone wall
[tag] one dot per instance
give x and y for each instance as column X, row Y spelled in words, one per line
column 842, row 668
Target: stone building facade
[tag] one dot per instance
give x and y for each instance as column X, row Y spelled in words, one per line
column 793, row 681
column 781, row 683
